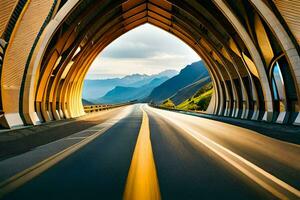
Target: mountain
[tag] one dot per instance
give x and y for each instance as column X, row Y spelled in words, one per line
column 86, row 102
column 122, row 94
column 93, row 89
column 169, row 73
column 200, row 100
column 186, row 92
column 189, row 75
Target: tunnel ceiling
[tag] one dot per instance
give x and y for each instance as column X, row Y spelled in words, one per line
column 47, row 48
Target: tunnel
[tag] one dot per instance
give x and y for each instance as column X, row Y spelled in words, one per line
column 250, row 47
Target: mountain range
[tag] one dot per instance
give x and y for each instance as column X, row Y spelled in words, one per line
column 125, row 94
column 93, row 89
column 177, row 87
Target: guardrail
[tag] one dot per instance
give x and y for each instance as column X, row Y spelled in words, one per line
column 175, row 109
column 165, row 108
column 96, row 108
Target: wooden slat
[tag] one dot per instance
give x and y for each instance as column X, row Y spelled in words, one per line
column 290, row 11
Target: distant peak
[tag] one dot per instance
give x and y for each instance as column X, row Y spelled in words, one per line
column 169, row 73
column 136, row 75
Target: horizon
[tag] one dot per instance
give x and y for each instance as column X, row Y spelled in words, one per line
column 120, row 76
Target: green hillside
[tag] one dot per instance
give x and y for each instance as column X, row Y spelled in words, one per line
column 199, row 101
column 168, row 104
column 188, row 91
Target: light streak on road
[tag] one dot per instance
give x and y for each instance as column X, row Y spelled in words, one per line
column 266, row 180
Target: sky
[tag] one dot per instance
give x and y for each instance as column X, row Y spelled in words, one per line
column 144, row 50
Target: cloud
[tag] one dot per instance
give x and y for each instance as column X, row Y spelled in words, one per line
column 145, row 49
column 129, row 50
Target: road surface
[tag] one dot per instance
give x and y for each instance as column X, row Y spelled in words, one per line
column 148, row 153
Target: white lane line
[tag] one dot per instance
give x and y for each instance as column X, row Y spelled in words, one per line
column 26, row 175
column 268, row 181
column 75, row 138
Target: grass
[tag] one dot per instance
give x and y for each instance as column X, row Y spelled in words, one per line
column 196, row 103
column 199, row 101
column 168, row 104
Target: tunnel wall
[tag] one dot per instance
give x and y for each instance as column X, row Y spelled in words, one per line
column 47, row 48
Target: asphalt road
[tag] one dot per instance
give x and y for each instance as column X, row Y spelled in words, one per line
column 13, row 142
column 158, row 154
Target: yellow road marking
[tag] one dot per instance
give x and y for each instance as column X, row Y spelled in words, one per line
column 142, row 182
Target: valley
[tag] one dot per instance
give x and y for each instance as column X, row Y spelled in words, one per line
column 189, row 89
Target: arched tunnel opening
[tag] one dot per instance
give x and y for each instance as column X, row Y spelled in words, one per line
column 148, row 65
column 238, row 48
